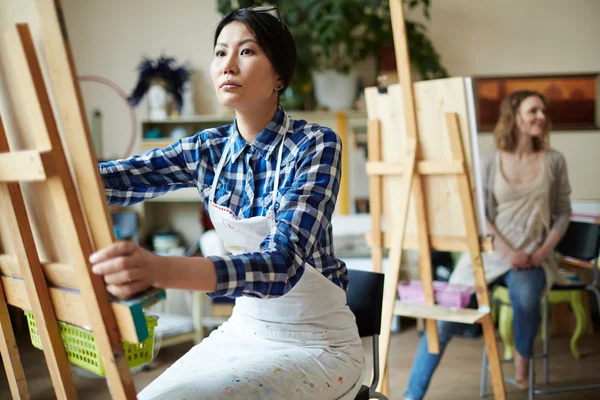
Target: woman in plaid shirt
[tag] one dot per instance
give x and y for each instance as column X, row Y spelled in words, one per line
column 269, row 183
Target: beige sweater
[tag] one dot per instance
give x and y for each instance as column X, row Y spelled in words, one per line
column 560, row 210
column 560, row 189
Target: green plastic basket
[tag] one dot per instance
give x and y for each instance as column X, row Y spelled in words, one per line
column 82, row 350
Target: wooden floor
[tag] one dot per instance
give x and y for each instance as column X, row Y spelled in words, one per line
column 457, row 377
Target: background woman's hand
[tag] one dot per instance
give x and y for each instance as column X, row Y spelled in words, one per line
column 538, row 257
column 519, row 260
column 126, row 268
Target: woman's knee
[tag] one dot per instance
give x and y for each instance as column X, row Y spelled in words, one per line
column 525, row 289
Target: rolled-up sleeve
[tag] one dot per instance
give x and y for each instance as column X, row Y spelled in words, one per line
column 302, row 214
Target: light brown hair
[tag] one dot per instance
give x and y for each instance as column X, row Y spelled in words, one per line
column 505, row 131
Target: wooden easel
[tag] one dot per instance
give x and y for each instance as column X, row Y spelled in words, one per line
column 434, row 168
column 51, row 221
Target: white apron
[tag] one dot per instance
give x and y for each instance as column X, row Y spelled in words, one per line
column 303, row 345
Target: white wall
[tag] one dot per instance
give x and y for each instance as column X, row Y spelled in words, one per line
column 487, row 37
column 474, row 37
column 11, row 14
column 110, row 37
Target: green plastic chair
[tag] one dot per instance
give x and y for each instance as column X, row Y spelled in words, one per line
column 505, row 317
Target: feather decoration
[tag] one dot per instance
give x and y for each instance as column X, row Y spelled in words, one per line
column 163, row 69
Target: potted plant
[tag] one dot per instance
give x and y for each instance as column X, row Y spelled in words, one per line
column 342, row 34
column 332, row 36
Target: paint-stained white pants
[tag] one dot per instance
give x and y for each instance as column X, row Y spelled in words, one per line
column 230, row 365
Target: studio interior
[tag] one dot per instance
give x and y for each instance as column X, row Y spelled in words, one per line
column 269, row 199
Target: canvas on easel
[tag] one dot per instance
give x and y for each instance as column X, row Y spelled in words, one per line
column 423, row 195
column 53, row 209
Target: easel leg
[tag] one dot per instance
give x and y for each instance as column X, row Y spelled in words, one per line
column 491, row 345
column 474, row 246
column 343, row 201
column 385, row 382
column 395, row 258
column 375, row 194
column 10, row 354
column 425, row 268
column 418, row 193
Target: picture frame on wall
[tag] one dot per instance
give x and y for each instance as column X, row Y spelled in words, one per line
column 573, row 100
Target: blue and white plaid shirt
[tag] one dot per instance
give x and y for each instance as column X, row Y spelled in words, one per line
column 308, row 188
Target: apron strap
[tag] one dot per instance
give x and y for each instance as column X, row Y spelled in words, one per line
column 219, row 168
column 279, row 155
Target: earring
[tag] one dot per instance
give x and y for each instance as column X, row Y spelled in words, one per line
column 278, row 87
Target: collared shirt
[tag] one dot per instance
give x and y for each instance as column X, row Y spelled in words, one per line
column 309, row 182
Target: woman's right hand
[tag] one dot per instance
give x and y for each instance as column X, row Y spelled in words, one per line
column 519, row 259
column 126, row 268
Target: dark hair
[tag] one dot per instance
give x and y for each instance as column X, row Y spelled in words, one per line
column 505, row 130
column 272, row 36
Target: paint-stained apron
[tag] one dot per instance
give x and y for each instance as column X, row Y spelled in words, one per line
column 303, row 345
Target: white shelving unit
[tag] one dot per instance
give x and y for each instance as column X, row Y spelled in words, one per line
column 165, row 128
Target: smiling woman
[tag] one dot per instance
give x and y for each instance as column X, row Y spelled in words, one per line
column 270, row 184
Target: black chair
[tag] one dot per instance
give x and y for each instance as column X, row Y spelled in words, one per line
column 365, row 298
column 582, row 243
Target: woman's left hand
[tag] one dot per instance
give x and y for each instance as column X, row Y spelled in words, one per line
column 538, row 257
column 126, row 268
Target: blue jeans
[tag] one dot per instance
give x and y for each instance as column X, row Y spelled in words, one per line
column 525, row 290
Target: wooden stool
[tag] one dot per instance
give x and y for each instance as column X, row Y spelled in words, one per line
column 505, row 316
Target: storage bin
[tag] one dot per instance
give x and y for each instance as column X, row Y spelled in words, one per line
column 446, row 295
column 82, row 350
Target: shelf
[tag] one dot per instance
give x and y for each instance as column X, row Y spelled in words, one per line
column 440, row 313
column 576, row 263
column 160, row 133
column 149, row 144
column 314, row 116
column 186, row 195
column 310, row 116
column 192, row 119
